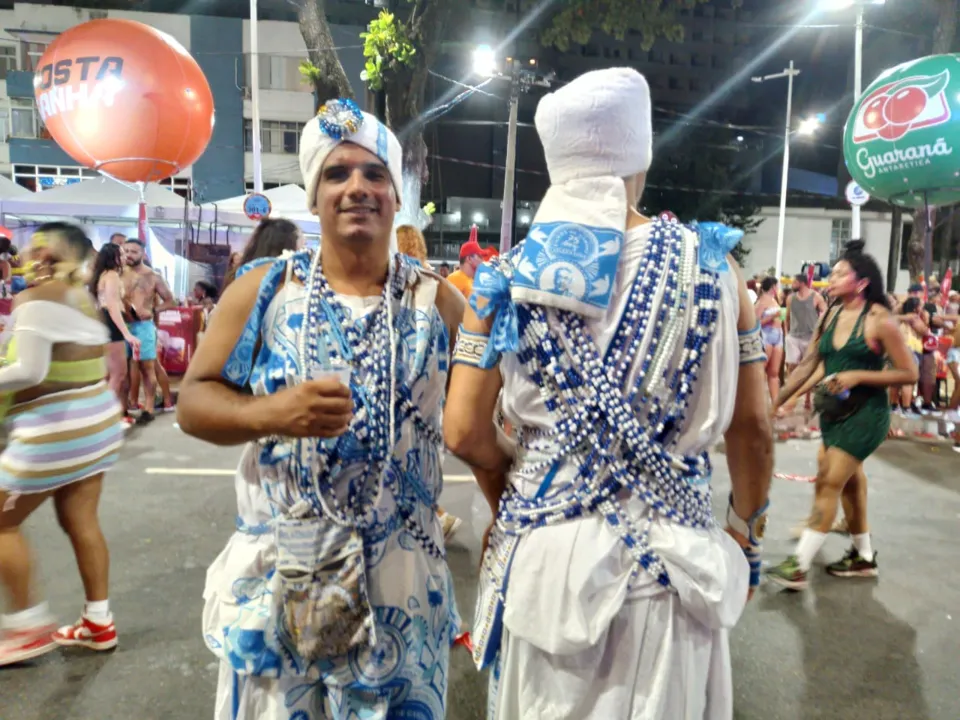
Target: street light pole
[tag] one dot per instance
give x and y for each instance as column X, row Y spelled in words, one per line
column 857, row 92
column 782, row 227
column 790, row 73
column 509, row 175
column 255, row 97
column 521, row 80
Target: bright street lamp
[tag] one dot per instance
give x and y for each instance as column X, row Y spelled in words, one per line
column 857, row 72
column 809, row 126
column 485, row 61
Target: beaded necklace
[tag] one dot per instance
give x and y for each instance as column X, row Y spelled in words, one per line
column 601, row 417
column 374, row 425
column 354, row 344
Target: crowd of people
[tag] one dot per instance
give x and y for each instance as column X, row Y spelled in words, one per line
column 583, row 377
column 928, row 321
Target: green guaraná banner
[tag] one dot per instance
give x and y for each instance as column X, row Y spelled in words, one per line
column 902, row 140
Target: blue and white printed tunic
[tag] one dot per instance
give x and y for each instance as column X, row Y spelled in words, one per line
column 411, row 591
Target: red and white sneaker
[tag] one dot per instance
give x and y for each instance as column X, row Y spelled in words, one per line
column 88, row 634
column 17, row 646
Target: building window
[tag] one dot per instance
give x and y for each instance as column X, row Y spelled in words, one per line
column 43, row 177
column 839, row 236
column 696, row 85
column 700, row 60
column 675, row 84
column 275, row 136
column 31, row 54
column 676, row 59
column 8, row 60
column 248, row 186
column 719, row 62
column 24, row 119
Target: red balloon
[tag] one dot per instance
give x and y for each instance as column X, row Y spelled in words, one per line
column 124, row 98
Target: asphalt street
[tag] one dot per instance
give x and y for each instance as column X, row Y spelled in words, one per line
column 886, row 649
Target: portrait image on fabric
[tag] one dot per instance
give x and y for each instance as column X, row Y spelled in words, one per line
column 333, row 599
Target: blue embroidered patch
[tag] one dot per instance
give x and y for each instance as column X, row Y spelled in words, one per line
column 564, row 259
column 716, row 242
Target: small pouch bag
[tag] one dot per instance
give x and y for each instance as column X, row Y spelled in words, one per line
column 325, row 610
column 835, row 409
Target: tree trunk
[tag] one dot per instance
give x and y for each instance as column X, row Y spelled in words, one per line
column 944, row 35
column 406, row 90
column 915, row 250
column 893, row 255
column 331, row 81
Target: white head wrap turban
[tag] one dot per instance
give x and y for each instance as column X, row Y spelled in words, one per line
column 596, row 130
column 340, row 121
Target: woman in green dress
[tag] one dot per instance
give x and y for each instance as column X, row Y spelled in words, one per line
column 847, row 361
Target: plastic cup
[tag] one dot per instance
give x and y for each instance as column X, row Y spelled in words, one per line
column 340, row 372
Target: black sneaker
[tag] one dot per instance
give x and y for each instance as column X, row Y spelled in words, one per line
column 145, row 418
column 852, row 565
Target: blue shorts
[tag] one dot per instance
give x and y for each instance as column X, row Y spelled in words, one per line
column 146, row 332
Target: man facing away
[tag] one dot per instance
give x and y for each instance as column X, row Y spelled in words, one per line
column 804, row 309
column 608, row 588
column 332, row 600
column 142, row 287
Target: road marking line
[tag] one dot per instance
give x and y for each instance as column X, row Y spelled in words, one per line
column 190, row 471
column 224, row 472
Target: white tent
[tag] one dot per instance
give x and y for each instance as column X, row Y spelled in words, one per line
column 10, row 189
column 286, row 201
column 98, row 198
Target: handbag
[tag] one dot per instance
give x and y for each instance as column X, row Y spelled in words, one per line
column 324, row 606
column 833, row 408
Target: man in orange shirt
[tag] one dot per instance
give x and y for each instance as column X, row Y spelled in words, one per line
column 471, row 257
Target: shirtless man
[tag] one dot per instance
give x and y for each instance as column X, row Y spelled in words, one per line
column 143, row 286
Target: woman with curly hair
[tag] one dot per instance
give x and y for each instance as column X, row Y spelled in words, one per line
column 63, row 424
column 846, row 364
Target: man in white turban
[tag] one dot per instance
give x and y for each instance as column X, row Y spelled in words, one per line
column 333, row 598
column 621, row 349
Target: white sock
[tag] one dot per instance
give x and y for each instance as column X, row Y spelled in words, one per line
column 30, row 618
column 810, row 543
column 97, row 611
column 862, row 544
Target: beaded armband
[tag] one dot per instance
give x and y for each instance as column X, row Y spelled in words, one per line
column 470, row 348
column 751, row 347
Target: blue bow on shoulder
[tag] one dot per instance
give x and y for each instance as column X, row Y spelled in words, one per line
column 716, row 242
column 492, row 285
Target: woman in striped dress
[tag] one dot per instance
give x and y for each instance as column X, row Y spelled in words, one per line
column 63, row 434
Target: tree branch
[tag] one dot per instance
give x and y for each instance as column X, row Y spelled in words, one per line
column 327, row 74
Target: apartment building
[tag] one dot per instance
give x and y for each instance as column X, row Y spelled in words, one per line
column 221, row 46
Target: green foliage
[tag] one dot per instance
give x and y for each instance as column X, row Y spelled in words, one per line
column 387, row 47
column 577, row 20
column 309, row 73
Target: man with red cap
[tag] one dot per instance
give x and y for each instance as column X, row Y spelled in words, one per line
column 471, row 257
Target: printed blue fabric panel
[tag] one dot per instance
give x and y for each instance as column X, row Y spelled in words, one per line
column 405, row 674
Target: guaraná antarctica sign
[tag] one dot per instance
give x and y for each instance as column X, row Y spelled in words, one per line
column 902, row 140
